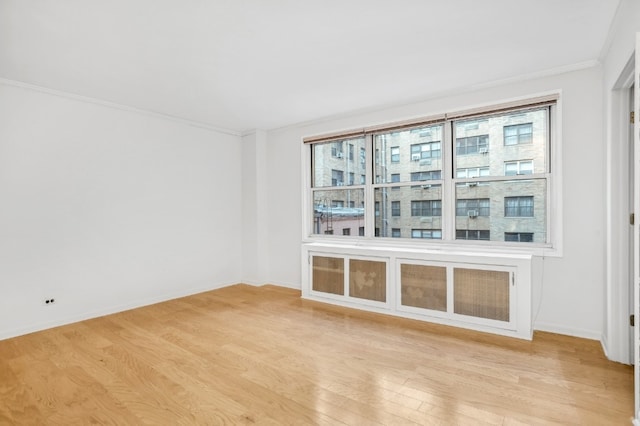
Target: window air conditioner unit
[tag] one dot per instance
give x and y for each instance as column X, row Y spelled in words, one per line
column 339, row 155
column 472, row 183
column 415, row 157
column 483, row 150
column 426, row 186
column 340, row 183
column 472, row 213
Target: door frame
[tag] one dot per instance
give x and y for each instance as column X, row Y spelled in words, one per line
column 616, row 339
column 636, row 232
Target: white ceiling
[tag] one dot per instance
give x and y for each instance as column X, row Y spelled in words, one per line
column 245, row 64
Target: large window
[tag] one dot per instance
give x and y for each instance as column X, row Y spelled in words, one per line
column 483, row 177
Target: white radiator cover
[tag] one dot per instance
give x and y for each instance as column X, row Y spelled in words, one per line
column 489, row 292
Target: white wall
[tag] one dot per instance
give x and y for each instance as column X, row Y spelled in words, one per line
column 104, row 209
column 618, row 52
column 255, row 204
column 571, row 287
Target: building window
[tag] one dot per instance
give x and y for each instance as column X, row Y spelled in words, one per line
column 518, row 134
column 472, row 172
column 473, row 207
column 472, row 145
column 396, row 233
column 346, row 231
column 473, row 234
column 518, row 206
column 520, row 237
column 490, row 191
column 337, row 177
column 395, row 178
column 351, row 152
column 429, row 175
column 395, row 154
column 431, row 234
column 425, row 151
column 395, row 208
column 337, row 203
column 426, row 208
column 472, row 125
column 336, row 150
column 520, row 167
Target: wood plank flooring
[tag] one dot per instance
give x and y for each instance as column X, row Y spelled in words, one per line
column 247, row 355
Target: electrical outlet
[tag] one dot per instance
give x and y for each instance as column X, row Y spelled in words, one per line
column 49, row 301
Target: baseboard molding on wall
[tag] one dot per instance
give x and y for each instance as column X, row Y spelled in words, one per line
column 604, row 344
column 295, row 286
column 568, row 331
column 253, row 283
column 7, row 334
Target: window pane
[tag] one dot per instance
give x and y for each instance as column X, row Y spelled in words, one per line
column 331, row 217
column 494, row 209
column 409, row 211
column 403, row 153
column 502, row 145
column 335, row 164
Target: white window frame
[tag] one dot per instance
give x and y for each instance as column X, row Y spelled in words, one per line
column 553, row 175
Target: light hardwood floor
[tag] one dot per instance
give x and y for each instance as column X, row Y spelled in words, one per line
column 244, row 355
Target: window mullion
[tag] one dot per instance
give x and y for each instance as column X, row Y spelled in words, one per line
column 369, row 213
column 448, row 187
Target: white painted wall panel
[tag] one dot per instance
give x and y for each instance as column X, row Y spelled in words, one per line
column 104, row 209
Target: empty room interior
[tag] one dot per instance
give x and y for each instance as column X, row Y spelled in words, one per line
column 286, row 212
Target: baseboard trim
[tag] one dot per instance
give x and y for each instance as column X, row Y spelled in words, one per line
column 605, row 345
column 7, row 334
column 568, row 331
column 294, row 286
column 253, row 283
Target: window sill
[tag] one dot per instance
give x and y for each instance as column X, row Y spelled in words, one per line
column 471, row 248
